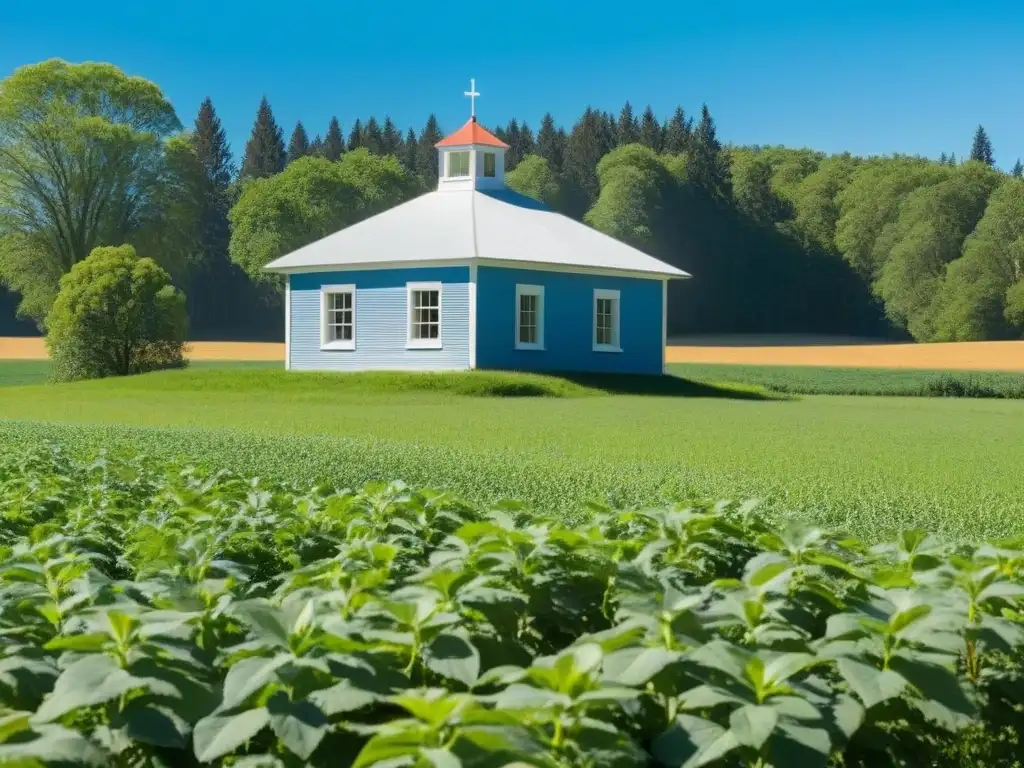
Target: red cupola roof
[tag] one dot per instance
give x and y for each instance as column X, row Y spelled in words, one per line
column 472, row 133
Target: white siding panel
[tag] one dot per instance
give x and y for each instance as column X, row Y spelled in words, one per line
column 381, row 333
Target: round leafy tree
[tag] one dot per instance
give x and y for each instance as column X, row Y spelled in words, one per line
column 116, row 314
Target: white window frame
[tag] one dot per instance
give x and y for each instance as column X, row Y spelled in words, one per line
column 530, row 290
column 325, row 340
column 615, row 346
column 413, row 343
column 448, row 164
column 493, row 158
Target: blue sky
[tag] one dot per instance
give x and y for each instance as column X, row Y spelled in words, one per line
column 859, row 75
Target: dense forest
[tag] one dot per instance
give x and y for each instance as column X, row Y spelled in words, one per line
column 779, row 240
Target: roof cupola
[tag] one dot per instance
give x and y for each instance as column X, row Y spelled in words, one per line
column 472, row 157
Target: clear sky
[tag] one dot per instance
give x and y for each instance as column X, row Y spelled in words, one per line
column 868, row 76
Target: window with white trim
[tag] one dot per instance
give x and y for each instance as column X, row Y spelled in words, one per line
column 424, row 315
column 529, row 317
column 606, row 321
column 458, row 164
column 489, row 164
column 338, row 317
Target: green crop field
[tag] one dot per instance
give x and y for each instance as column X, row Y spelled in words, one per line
column 870, row 465
column 153, row 614
column 812, row 380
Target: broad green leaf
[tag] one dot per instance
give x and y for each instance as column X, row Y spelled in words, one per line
column 268, row 624
column 121, row 624
column 440, row 758
column 872, row 686
column 519, row 696
column 798, row 745
column 904, row 619
column 453, row 655
column 783, row 666
column 342, row 697
column 752, row 725
column 220, row 734
column 89, row 681
column 156, row 725
column 89, row 643
column 691, row 742
column 248, row 676
column 847, row 715
column 54, row 745
column 13, row 722
column 300, row 725
column 934, row 681
column 432, row 705
column 405, row 743
column 637, row 665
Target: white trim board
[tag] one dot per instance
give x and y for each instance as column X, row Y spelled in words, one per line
column 536, row 266
column 529, row 290
column 410, row 342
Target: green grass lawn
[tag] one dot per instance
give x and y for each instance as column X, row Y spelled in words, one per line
column 872, row 465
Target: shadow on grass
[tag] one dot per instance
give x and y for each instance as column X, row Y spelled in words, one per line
column 667, row 386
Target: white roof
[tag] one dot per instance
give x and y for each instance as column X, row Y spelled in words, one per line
column 499, row 225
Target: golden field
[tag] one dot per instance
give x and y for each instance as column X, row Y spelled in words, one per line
column 964, row 356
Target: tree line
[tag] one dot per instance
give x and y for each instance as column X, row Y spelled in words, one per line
column 778, row 239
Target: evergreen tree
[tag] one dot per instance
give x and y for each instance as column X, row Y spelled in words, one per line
column 372, row 137
column 316, row 147
column 390, row 139
column 650, row 130
column 943, row 160
column 356, row 135
column 208, row 281
column 589, row 141
column 527, row 142
column 1018, row 170
column 627, row 130
column 520, row 143
column 549, row 145
column 410, row 151
column 264, row 153
column 298, row 146
column 952, row 158
column 981, row 149
column 709, row 166
column 677, row 133
column 334, row 142
column 426, row 157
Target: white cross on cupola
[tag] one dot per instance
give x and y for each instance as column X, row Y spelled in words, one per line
column 472, row 157
column 472, row 93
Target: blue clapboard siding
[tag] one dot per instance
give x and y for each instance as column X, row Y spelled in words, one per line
column 381, row 321
column 568, row 322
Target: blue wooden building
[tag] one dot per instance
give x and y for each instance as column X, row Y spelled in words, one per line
column 474, row 275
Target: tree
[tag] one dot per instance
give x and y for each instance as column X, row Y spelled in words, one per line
column 943, row 160
column 677, row 133
column 1018, row 170
column 933, row 222
column 410, row 150
column 88, row 156
column 213, row 278
column 356, row 136
column 390, row 139
column 982, row 294
column 981, row 148
column 264, row 152
column 372, row 137
column 312, row 198
column 635, row 197
column 708, row 166
column 426, row 158
column 334, row 142
column 650, row 134
column 588, row 143
column 752, row 188
column 627, row 130
column 116, row 314
column 316, row 147
column 298, row 146
column 534, row 177
column 551, row 143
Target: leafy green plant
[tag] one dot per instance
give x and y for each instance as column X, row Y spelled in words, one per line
column 154, row 614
